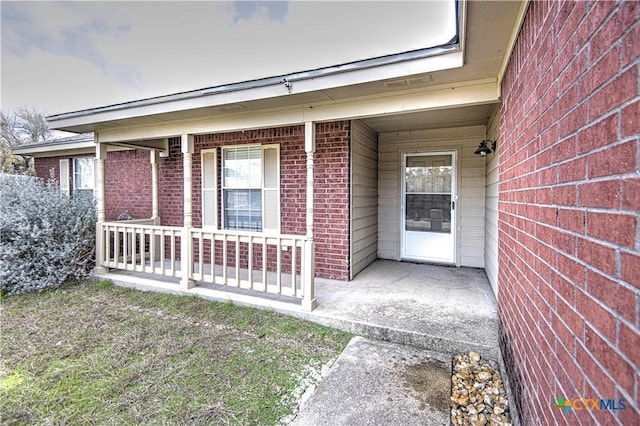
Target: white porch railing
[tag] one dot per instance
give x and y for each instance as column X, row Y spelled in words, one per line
column 139, row 245
column 278, row 264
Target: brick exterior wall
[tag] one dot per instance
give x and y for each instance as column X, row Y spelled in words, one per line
column 127, row 181
column 47, row 168
column 331, row 174
column 569, row 240
column 127, row 184
column 331, row 202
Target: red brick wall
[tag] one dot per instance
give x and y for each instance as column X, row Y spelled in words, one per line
column 47, row 168
column 569, row 241
column 127, row 181
column 331, row 203
column 128, row 184
column 170, row 186
column 331, row 174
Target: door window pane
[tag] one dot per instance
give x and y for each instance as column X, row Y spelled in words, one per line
column 430, row 174
column 428, row 213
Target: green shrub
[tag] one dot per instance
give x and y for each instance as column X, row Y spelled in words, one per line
column 46, row 238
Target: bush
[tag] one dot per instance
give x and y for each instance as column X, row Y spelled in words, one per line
column 46, row 238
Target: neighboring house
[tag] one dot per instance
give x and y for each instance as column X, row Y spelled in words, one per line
column 376, row 159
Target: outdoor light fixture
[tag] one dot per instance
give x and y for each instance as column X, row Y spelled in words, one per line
column 483, row 148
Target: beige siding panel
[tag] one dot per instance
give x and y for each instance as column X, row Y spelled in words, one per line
column 471, row 188
column 491, row 205
column 364, row 197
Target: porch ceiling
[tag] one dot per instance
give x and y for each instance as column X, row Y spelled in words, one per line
column 490, row 30
column 475, row 115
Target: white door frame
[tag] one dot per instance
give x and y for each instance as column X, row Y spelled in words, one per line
column 454, row 199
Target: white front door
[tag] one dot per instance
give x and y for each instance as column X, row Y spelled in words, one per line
column 429, row 197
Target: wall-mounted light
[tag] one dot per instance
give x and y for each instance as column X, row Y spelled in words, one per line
column 484, row 149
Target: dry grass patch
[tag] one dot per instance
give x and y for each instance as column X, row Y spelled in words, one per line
column 93, row 353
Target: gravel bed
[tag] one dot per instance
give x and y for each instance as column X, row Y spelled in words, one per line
column 478, row 397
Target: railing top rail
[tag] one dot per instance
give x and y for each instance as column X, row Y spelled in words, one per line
column 247, row 234
column 143, row 223
column 138, row 225
column 147, row 221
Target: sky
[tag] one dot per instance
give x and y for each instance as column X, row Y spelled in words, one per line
column 67, row 56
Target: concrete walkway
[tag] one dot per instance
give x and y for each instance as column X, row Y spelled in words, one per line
column 380, row 383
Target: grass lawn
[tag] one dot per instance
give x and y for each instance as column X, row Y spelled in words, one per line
column 94, row 353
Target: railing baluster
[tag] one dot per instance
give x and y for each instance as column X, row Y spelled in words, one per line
column 265, row 264
column 116, row 246
column 237, row 261
column 279, row 265
column 213, row 257
column 200, row 254
column 224, row 259
column 152, row 250
column 172, row 260
column 133, row 242
column 250, row 262
column 162, row 251
column 293, row 267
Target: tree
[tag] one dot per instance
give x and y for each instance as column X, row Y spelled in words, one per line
column 25, row 126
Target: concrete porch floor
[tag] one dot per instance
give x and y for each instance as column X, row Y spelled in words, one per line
column 443, row 309
column 439, row 308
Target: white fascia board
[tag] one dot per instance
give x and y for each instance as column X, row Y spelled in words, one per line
column 45, row 148
column 302, row 84
column 446, row 96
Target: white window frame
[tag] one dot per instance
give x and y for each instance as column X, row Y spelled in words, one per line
column 75, row 174
column 264, row 190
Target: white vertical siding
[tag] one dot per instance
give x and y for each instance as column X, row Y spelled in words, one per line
column 491, row 205
column 471, row 186
column 364, row 197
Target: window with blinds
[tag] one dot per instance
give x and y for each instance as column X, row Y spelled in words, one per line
column 83, row 177
column 250, row 193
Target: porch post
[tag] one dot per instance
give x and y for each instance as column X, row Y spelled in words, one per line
column 309, row 298
column 155, row 156
column 186, row 254
column 101, row 156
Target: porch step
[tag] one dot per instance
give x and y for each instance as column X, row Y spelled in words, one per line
column 485, row 341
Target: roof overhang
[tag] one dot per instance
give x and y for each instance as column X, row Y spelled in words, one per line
column 86, row 145
column 66, row 146
column 294, row 86
column 463, row 73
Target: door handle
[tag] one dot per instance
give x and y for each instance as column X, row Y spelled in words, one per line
column 453, row 205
